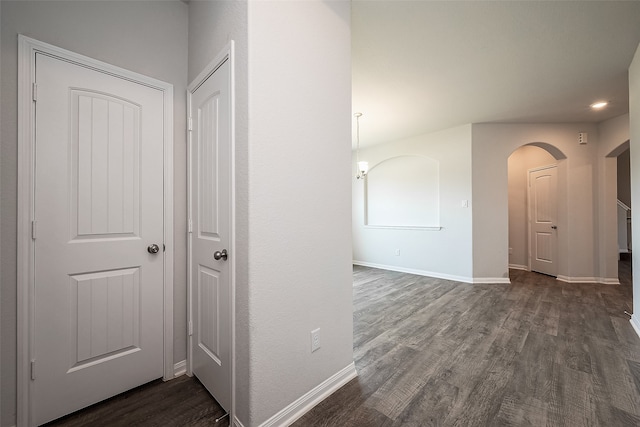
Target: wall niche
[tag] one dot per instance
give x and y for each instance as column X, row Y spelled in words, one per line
column 403, row 192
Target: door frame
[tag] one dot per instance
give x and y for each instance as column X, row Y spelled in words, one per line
column 27, row 49
column 529, row 211
column 227, row 53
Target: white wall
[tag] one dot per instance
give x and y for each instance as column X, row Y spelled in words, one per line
column 614, row 134
column 583, row 224
column 299, row 206
column 146, row 37
column 480, row 253
column 520, row 162
column 577, row 192
column 442, row 253
column 634, row 121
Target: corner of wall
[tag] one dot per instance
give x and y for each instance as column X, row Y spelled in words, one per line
column 634, row 133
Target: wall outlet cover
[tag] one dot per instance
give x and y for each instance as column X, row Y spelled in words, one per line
column 315, row 339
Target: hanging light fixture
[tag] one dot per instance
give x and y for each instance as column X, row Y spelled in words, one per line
column 361, row 167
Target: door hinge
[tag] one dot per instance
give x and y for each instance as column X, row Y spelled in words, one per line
column 34, row 229
column 190, row 328
column 34, row 91
column 190, row 124
column 190, row 226
column 33, row 369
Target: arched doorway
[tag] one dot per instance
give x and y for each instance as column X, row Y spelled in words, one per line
column 617, row 242
column 533, row 238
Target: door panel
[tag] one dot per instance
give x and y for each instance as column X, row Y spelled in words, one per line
column 98, row 326
column 105, row 146
column 543, row 217
column 210, row 139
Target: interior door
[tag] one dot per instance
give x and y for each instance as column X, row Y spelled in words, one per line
column 98, row 299
column 543, row 219
column 210, row 213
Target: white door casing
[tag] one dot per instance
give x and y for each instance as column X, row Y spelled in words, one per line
column 93, row 302
column 211, row 204
column 543, row 214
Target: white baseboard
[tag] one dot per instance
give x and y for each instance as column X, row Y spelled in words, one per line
column 463, row 279
column 237, row 422
column 415, row 271
column 491, row 281
column 589, row 280
column 180, row 368
column 518, row 267
column 635, row 322
column 570, row 279
column 304, row 404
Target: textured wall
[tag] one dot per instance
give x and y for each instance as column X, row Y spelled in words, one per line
column 577, row 194
column 441, row 253
column 300, row 198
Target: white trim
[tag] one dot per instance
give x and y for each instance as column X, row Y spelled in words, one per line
column 635, row 323
column 305, row 403
column 623, row 205
column 167, row 90
column 463, row 279
column 518, row 267
column 589, row 280
column 27, row 49
column 415, row 271
column 237, row 422
column 228, row 52
column 569, row 279
column 491, row 281
column 180, row 368
column 406, row 227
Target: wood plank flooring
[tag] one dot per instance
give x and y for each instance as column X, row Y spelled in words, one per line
column 538, row 352
column 179, row 402
column 432, row 352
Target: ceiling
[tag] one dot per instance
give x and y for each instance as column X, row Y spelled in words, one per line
column 424, row 66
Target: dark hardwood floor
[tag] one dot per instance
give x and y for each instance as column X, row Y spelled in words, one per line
column 179, row 402
column 432, row 352
column 537, row 352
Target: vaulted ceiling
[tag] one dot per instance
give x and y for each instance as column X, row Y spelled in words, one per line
column 423, row 66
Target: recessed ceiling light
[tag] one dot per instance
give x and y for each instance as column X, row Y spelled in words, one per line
column 599, row 105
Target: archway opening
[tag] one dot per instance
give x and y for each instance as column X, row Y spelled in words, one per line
column 532, row 236
column 619, row 158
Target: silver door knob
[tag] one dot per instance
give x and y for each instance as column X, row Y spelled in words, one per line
column 153, row 249
column 220, row 255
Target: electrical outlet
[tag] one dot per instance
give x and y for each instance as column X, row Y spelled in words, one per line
column 397, row 252
column 315, row 340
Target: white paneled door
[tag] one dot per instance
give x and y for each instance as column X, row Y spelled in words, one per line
column 210, row 216
column 98, row 235
column 543, row 215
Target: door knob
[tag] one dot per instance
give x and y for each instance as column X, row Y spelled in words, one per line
column 153, row 249
column 555, row 227
column 220, row 255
